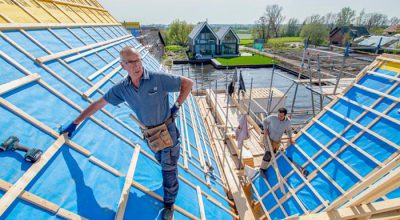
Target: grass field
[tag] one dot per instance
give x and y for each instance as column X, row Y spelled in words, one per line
column 285, row 40
column 246, row 41
column 173, row 48
column 246, row 60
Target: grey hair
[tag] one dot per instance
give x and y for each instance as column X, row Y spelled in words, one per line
column 129, row 48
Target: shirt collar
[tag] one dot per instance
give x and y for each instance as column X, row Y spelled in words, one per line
column 145, row 76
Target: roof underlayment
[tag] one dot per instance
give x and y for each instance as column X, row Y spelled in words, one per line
column 56, row 57
column 351, row 150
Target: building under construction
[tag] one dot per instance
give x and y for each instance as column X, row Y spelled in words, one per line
column 57, row 57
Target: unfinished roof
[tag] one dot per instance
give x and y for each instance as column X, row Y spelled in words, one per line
column 351, row 151
column 53, row 68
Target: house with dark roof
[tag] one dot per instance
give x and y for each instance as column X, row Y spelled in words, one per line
column 339, row 34
column 228, row 42
column 204, row 43
column 392, row 30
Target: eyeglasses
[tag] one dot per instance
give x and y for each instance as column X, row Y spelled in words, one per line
column 133, row 62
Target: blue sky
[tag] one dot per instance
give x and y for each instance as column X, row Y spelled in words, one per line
column 235, row 11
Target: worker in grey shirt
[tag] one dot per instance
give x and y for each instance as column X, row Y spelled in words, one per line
column 274, row 127
column 146, row 93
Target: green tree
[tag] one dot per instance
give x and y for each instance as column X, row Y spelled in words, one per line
column 345, row 17
column 178, row 32
column 292, row 28
column 317, row 32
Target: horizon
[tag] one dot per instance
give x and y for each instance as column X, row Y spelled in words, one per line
column 220, row 12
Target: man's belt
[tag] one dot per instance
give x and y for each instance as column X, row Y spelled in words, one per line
column 166, row 122
column 158, row 136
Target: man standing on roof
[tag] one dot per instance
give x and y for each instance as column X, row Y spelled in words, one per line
column 274, row 127
column 146, row 92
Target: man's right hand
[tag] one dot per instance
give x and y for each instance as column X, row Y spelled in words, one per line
column 69, row 130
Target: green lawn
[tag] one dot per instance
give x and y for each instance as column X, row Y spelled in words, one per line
column 246, row 41
column 246, row 60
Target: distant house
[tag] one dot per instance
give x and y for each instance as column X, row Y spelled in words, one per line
column 153, row 41
column 228, row 42
column 338, row 35
column 204, row 43
column 392, row 30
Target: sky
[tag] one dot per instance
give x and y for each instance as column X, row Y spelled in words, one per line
column 235, row 11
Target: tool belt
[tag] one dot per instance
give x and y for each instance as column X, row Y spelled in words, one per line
column 158, row 137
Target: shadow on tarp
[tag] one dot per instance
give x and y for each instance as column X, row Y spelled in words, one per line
column 87, row 204
column 18, row 157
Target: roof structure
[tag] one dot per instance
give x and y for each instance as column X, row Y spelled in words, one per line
column 197, row 29
column 223, row 31
column 354, row 31
column 392, row 29
column 57, row 57
column 351, row 151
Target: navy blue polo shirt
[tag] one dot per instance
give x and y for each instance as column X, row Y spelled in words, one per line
column 150, row 100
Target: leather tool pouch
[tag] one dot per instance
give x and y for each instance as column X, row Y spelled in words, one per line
column 158, row 137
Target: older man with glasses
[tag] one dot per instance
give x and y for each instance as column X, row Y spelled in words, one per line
column 146, row 92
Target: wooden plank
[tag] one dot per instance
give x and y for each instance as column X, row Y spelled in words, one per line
column 120, row 40
column 365, row 130
column 305, row 180
column 377, row 92
column 16, row 190
column 275, row 164
column 186, row 131
column 31, row 198
column 356, row 212
column 379, row 189
column 197, row 139
column 241, row 202
column 184, row 141
column 47, row 58
column 105, row 166
column 4, row 88
column 47, row 11
column 386, row 58
column 200, row 202
column 159, row 198
column 383, row 76
column 25, row 10
column 30, row 26
column 266, row 213
column 385, row 116
column 89, row 92
column 69, row 215
column 70, row 3
column 127, row 186
column 366, row 183
column 61, row 61
column 204, row 110
column 104, row 68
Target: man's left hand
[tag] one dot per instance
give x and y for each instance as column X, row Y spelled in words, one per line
column 175, row 109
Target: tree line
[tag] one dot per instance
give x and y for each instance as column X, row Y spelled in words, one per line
column 317, row 27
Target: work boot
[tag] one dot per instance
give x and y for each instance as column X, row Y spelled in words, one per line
column 262, row 173
column 168, row 213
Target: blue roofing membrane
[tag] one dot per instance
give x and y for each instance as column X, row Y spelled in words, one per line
column 352, row 138
column 86, row 176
